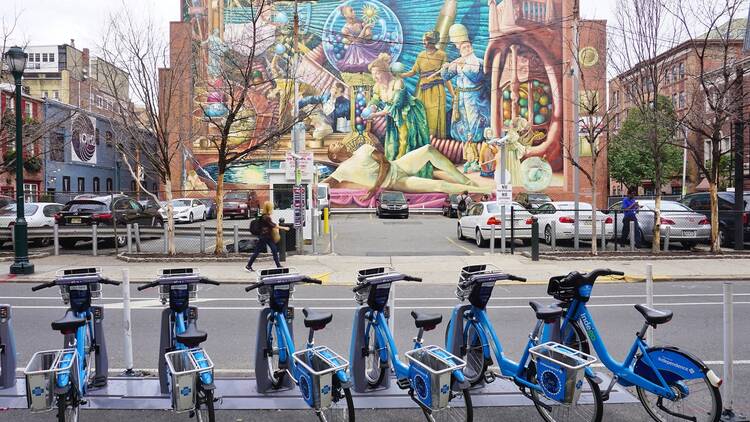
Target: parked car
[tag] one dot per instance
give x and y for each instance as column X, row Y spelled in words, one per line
column 684, row 225
column 701, row 203
column 186, row 210
column 105, row 211
column 5, row 200
column 450, row 206
column 210, row 204
column 241, row 204
column 476, row 223
column 562, row 214
column 37, row 214
column 151, row 204
column 530, row 200
column 391, row 203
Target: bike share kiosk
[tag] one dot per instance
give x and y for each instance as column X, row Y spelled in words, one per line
column 7, row 349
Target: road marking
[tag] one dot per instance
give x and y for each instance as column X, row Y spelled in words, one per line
column 460, row 246
column 324, row 277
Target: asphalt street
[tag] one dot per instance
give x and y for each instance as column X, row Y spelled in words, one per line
column 229, row 315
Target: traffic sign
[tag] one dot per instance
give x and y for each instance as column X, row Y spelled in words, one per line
column 504, row 194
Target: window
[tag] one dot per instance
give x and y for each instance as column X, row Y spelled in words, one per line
column 108, row 138
column 132, row 186
column 37, row 57
column 682, row 100
column 96, row 135
column 676, row 190
column 45, row 94
column 109, row 184
column 155, row 188
column 96, row 184
column 56, row 95
column 666, row 77
column 122, row 205
column 51, row 57
column 44, row 57
column 81, row 184
column 99, row 102
column 66, row 184
column 682, row 70
column 51, row 210
column 674, row 100
column 29, row 110
column 674, row 73
column 57, row 147
column 31, row 192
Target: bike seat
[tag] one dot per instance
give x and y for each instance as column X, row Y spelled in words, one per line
column 192, row 337
column 69, row 323
column 316, row 320
column 547, row 313
column 426, row 321
column 654, row 316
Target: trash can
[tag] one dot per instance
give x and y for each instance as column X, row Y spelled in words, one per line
column 291, row 237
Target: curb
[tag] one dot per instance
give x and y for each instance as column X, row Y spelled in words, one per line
column 31, row 256
column 562, row 257
column 167, row 259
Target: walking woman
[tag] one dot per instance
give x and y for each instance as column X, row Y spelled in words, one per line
column 269, row 235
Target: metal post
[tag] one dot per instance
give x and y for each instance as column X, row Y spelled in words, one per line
column 330, row 236
column 95, row 240
column 503, row 222
column 313, row 230
column 604, row 236
column 728, row 414
column 632, row 236
column 126, row 325
column 534, row 239
column 166, row 244
column 130, row 238
column 282, row 242
column 617, row 238
column 512, row 230
column 739, row 177
column 56, row 238
column 650, row 298
column 492, row 239
column 667, row 235
column 553, row 233
column 576, row 141
column 21, row 264
column 137, row 237
column 236, row 235
column 203, row 238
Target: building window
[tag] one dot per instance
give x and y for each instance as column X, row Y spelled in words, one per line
column 96, row 184
column 30, row 192
column 56, row 95
column 96, row 135
column 57, row 147
column 44, row 57
column 45, row 94
column 29, row 109
column 132, row 186
column 682, row 100
column 51, row 57
column 109, row 184
column 108, row 138
column 81, row 184
column 676, row 190
column 682, row 70
column 66, row 184
column 37, row 57
column 99, row 102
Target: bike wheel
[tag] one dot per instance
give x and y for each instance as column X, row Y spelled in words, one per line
column 374, row 371
column 589, row 407
column 342, row 409
column 273, row 362
column 459, row 409
column 476, row 365
column 204, row 406
column 67, row 411
column 575, row 337
column 697, row 400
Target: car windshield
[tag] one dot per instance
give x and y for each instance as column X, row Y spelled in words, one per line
column 85, row 207
column 538, row 197
column 28, row 209
column 568, row 206
column 493, row 208
column 322, row 192
column 669, row 206
column 393, row 196
column 236, row 196
column 181, row 203
column 454, row 198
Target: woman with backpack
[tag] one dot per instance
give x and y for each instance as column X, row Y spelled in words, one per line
column 464, row 200
column 268, row 235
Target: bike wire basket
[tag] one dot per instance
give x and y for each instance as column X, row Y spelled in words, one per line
column 41, row 375
column 560, row 371
column 430, row 375
column 317, row 367
column 95, row 289
column 361, row 296
column 470, row 271
column 185, row 366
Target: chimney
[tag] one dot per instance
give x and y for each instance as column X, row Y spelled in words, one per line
column 72, row 42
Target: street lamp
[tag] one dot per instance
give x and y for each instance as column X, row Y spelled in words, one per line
column 15, row 59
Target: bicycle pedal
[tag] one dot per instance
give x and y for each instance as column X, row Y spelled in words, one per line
column 83, row 402
column 278, row 373
column 489, row 377
column 403, row 383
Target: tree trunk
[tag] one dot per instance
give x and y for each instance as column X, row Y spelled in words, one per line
column 219, row 249
column 656, row 245
column 171, row 249
column 593, row 207
column 713, row 190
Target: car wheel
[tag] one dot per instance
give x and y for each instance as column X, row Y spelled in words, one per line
column 548, row 235
column 121, row 241
column 190, row 219
column 459, row 233
column 479, row 239
column 204, row 216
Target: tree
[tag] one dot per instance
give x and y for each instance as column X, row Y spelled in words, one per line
column 146, row 135
column 714, row 88
column 643, row 32
column 630, row 156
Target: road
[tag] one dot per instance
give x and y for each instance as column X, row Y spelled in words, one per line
column 229, row 315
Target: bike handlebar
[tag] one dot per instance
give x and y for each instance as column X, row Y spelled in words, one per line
column 201, row 280
column 490, row 277
column 410, row 278
column 54, row 283
column 209, row 281
column 310, row 280
column 385, row 278
column 148, row 286
column 43, row 286
column 110, row 282
column 590, row 277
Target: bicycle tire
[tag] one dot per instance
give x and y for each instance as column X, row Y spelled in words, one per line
column 463, row 413
column 476, row 365
column 579, row 340
column 206, row 414
column 375, row 373
column 337, row 413
column 275, row 374
column 595, row 411
column 67, row 413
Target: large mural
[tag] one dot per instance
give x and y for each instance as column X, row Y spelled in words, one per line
column 399, row 95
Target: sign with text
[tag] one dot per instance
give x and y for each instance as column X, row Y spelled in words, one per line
column 298, row 200
column 305, row 163
column 504, row 195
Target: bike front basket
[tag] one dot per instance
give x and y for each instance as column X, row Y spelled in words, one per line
column 185, row 366
column 430, row 375
column 41, row 374
column 560, row 371
column 317, row 367
column 564, row 292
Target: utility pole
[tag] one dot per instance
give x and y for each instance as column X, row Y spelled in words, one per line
column 576, row 141
column 739, row 162
column 299, row 209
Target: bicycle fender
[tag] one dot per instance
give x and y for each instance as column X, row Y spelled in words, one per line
column 674, row 365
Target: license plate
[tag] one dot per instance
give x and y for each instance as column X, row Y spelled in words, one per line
column 75, row 220
column 688, row 232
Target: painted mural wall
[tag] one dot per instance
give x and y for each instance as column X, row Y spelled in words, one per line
column 400, row 95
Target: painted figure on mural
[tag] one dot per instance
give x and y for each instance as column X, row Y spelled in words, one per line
column 216, row 51
column 361, row 49
column 431, row 86
column 368, row 168
column 519, row 137
column 406, row 128
column 335, row 106
column 471, row 107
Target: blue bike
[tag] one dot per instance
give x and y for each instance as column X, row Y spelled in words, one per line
column 672, row 384
column 319, row 372
column 185, row 370
column 556, row 387
column 433, row 377
column 84, row 337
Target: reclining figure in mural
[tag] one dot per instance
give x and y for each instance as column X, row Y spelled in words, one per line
column 368, row 168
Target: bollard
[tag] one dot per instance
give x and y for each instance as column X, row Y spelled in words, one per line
column 650, row 298
column 56, row 238
column 553, row 234
column 534, row 239
column 126, row 325
column 632, row 236
column 666, row 238
column 604, row 235
column 616, row 236
column 7, row 349
column 95, row 240
column 137, row 237
column 166, row 244
column 326, row 220
column 236, row 236
column 503, row 223
column 728, row 415
column 330, row 236
column 492, row 239
column 203, row 238
column 282, row 242
column 130, row 238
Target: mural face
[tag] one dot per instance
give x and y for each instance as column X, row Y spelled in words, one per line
column 409, row 96
column 83, row 142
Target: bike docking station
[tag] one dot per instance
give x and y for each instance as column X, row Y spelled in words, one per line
column 7, row 349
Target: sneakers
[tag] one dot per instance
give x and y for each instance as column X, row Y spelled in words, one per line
column 249, row 269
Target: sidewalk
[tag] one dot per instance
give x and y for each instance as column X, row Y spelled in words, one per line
column 334, row 269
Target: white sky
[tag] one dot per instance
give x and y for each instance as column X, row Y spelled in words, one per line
column 44, row 22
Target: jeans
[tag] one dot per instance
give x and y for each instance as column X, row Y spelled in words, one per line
column 626, row 231
column 260, row 246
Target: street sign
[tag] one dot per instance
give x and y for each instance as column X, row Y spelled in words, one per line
column 504, row 194
column 305, row 164
column 298, row 202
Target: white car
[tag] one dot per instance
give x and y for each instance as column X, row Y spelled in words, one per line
column 560, row 217
column 476, row 223
column 186, row 210
column 37, row 214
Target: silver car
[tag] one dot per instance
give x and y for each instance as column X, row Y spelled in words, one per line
column 683, row 224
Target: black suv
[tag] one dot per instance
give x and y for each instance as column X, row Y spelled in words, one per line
column 701, row 202
column 392, row 203
column 105, row 211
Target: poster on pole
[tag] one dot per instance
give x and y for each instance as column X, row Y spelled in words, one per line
column 305, row 162
column 298, row 200
column 504, row 195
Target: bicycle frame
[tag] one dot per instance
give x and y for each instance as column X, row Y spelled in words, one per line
column 623, row 370
column 179, row 327
column 63, row 378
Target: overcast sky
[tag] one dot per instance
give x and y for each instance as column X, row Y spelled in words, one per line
column 45, row 22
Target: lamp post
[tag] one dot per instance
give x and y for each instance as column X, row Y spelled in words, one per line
column 15, row 59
